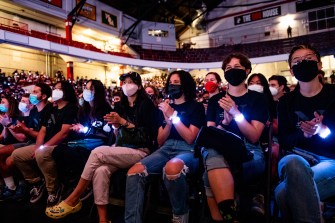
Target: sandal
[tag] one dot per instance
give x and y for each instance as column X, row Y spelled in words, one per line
column 62, row 209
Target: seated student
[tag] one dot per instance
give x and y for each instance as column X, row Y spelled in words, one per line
column 175, row 157
column 6, row 164
column 153, row 94
column 9, row 114
column 71, row 157
column 258, row 82
column 212, row 83
column 56, row 128
column 244, row 113
column 134, row 111
column 306, row 121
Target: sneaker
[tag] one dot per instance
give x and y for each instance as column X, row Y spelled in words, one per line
column 180, row 218
column 21, row 192
column 54, row 198
column 7, row 194
column 258, row 205
column 88, row 192
column 37, row 192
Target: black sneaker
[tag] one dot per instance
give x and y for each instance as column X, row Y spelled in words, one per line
column 54, row 198
column 7, row 194
column 21, row 192
column 37, row 192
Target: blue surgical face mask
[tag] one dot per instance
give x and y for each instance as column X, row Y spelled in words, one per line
column 88, row 95
column 3, row 108
column 23, row 107
column 33, row 99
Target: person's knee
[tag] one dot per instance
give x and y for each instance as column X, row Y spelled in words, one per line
column 39, row 155
column 9, row 162
column 294, row 162
column 15, row 155
column 138, row 168
column 174, row 168
column 102, row 171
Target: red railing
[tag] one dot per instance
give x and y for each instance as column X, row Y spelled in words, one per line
column 22, row 28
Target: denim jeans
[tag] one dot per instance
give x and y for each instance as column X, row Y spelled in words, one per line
column 252, row 169
column 302, row 187
column 154, row 164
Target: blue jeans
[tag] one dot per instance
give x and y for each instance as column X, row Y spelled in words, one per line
column 302, row 187
column 252, row 169
column 154, row 164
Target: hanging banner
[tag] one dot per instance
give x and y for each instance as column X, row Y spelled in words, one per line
column 88, row 11
column 57, row 3
column 108, row 19
column 258, row 15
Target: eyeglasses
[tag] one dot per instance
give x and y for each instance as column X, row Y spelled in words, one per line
column 310, row 56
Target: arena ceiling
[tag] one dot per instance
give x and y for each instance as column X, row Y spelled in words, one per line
column 181, row 13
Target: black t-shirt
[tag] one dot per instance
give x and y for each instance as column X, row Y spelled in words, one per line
column 190, row 113
column 35, row 117
column 252, row 105
column 294, row 107
column 54, row 120
column 34, row 120
column 95, row 124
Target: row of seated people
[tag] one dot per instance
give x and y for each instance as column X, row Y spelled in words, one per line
column 170, row 131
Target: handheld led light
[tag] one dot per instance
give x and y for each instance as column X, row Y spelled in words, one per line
column 324, row 133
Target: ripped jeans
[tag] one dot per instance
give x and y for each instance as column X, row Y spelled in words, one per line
column 154, row 164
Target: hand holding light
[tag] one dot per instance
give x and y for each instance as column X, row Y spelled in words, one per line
column 315, row 126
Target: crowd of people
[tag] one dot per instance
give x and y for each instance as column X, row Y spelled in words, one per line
column 80, row 133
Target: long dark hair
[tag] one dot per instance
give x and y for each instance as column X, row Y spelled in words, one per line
column 187, row 84
column 13, row 110
column 99, row 101
column 264, row 83
column 140, row 95
column 68, row 91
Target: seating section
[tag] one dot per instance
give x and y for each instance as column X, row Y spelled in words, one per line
column 323, row 41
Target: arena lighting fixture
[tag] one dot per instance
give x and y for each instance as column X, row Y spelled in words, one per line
column 286, row 20
column 88, row 31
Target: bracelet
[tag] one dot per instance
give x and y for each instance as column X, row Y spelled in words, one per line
column 126, row 124
column 174, row 115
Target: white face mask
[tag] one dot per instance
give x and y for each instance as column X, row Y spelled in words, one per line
column 88, row 95
column 274, row 91
column 256, row 87
column 23, row 107
column 129, row 89
column 57, row 94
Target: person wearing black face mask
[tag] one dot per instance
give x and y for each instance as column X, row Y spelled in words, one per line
column 306, row 122
column 243, row 113
column 180, row 123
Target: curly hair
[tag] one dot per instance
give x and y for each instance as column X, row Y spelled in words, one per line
column 187, row 82
column 244, row 61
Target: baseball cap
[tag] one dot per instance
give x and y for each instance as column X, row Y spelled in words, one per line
column 135, row 77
